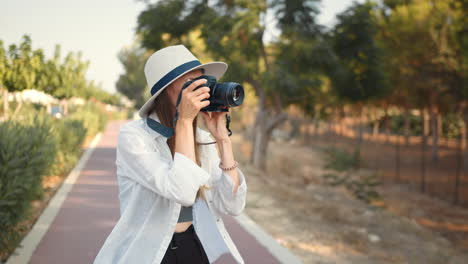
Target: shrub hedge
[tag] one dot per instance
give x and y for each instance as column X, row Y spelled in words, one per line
column 91, row 116
column 32, row 146
column 27, row 152
column 69, row 135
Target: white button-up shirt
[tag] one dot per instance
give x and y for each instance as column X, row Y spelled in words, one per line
column 152, row 188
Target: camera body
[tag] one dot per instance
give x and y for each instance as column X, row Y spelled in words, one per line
column 228, row 94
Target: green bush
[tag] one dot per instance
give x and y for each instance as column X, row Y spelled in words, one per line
column 342, row 160
column 69, row 134
column 362, row 186
column 27, row 151
column 92, row 117
column 34, row 145
column 121, row 114
column 346, row 166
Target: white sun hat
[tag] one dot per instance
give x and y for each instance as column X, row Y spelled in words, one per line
column 167, row 64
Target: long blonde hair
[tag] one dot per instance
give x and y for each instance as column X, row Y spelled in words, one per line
column 162, row 106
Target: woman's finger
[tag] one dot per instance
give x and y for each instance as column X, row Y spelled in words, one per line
column 207, row 118
column 194, row 85
column 202, row 96
column 204, row 104
column 201, row 90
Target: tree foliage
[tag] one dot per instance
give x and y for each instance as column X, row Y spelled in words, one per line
column 359, row 73
column 408, row 53
column 132, row 82
column 22, row 67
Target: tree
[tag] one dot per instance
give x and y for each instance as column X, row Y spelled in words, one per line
column 22, row 67
column 358, row 74
column 73, row 76
column 20, row 73
column 233, row 32
column 459, row 78
column 50, row 77
column 300, row 55
column 421, row 58
column 3, row 70
column 132, row 82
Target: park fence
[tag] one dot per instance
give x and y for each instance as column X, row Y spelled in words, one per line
column 402, row 160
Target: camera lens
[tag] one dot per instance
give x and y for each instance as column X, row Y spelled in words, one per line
column 237, row 93
column 230, row 94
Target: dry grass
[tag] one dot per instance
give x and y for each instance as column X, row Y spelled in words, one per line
column 323, row 224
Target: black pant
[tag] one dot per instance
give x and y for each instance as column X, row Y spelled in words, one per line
column 185, row 248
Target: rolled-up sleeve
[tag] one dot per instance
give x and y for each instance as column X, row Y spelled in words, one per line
column 138, row 160
column 225, row 199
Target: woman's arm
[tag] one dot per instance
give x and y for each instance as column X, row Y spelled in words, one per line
column 137, row 159
column 230, row 187
column 184, row 139
column 227, row 160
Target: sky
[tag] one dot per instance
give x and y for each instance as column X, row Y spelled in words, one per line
column 97, row 28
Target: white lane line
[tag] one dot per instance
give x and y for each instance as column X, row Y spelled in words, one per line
column 282, row 254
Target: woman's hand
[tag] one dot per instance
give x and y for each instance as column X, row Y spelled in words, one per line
column 191, row 100
column 216, row 124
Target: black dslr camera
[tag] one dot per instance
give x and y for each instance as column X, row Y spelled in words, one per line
column 229, row 94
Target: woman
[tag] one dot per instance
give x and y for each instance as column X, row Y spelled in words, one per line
column 172, row 190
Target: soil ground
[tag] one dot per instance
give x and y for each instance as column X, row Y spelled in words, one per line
column 325, row 224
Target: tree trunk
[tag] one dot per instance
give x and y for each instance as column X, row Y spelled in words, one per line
column 316, row 126
column 65, row 107
column 423, row 163
column 18, row 107
column 407, row 125
column 387, row 126
column 303, row 123
column 343, row 122
column 375, row 129
column 360, row 124
column 316, row 120
column 308, row 132
column 439, row 126
column 435, row 133
column 423, row 151
column 5, row 103
column 397, row 159
column 465, row 122
column 261, row 140
column 263, row 128
column 340, row 120
column 425, row 117
column 256, row 127
column 460, row 147
column 463, row 134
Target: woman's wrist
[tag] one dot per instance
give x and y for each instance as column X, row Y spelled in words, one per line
column 184, row 122
column 225, row 149
column 226, row 140
column 183, row 127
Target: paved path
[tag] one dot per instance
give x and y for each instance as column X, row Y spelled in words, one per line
column 91, row 210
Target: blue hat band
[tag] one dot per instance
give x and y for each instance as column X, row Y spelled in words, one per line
column 173, row 74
